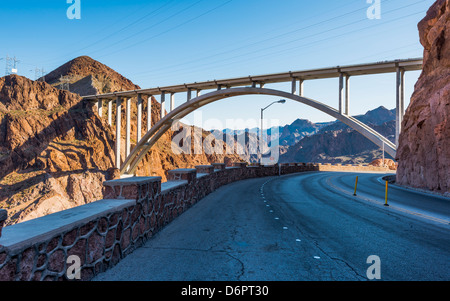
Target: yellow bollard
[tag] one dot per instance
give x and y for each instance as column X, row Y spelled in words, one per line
column 356, row 185
column 386, row 197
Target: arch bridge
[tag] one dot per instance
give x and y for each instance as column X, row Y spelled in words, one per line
column 250, row 85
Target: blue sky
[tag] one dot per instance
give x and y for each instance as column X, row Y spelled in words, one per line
column 164, row 42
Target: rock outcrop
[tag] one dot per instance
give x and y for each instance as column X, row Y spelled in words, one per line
column 424, row 144
column 86, row 76
column 56, row 152
column 387, row 162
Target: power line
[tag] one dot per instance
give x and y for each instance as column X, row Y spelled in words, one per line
column 296, row 47
column 154, row 13
column 154, row 25
column 252, row 52
column 258, row 42
column 124, row 28
column 222, row 60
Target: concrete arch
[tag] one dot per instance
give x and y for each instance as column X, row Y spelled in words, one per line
column 151, row 137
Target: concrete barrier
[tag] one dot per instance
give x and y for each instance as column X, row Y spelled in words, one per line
column 102, row 233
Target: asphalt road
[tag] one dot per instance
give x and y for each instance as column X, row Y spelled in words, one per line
column 300, row 227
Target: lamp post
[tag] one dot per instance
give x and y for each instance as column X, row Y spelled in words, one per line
column 282, row 101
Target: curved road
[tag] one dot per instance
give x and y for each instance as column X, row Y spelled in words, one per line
column 305, row 226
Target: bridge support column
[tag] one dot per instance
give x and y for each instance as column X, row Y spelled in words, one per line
column 163, row 101
column 139, row 118
column 199, row 93
column 294, row 86
column 118, row 126
column 100, row 108
column 189, row 94
column 300, row 92
column 172, row 101
column 341, row 93
column 110, row 112
column 128, row 128
column 149, row 113
column 400, row 103
column 347, row 94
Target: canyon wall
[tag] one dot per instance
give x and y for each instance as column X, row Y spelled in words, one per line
column 424, row 145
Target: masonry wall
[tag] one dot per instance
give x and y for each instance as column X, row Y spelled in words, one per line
column 102, row 233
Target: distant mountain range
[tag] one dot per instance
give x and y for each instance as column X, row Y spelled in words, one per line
column 325, row 142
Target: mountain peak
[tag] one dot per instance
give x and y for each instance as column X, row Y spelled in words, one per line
column 88, row 76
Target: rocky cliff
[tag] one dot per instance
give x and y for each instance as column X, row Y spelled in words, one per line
column 55, row 151
column 86, row 76
column 424, row 145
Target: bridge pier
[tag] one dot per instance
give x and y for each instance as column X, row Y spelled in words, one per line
column 100, row 108
column 163, row 101
column 300, row 91
column 128, row 127
column 347, row 95
column 344, row 93
column 139, row 118
column 149, row 112
column 172, row 101
column 110, row 112
column 400, row 102
column 118, row 126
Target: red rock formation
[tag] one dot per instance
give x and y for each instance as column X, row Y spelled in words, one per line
column 55, row 151
column 88, row 76
column 424, row 146
column 387, row 162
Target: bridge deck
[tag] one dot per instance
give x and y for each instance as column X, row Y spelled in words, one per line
column 333, row 72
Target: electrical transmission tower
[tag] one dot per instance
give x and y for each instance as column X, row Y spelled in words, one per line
column 65, row 82
column 11, row 65
column 39, row 74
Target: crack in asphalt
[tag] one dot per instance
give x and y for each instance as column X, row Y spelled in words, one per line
column 242, row 270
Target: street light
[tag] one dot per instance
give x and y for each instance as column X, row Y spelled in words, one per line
column 282, row 101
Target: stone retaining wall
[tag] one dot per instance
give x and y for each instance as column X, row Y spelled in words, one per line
column 101, row 233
